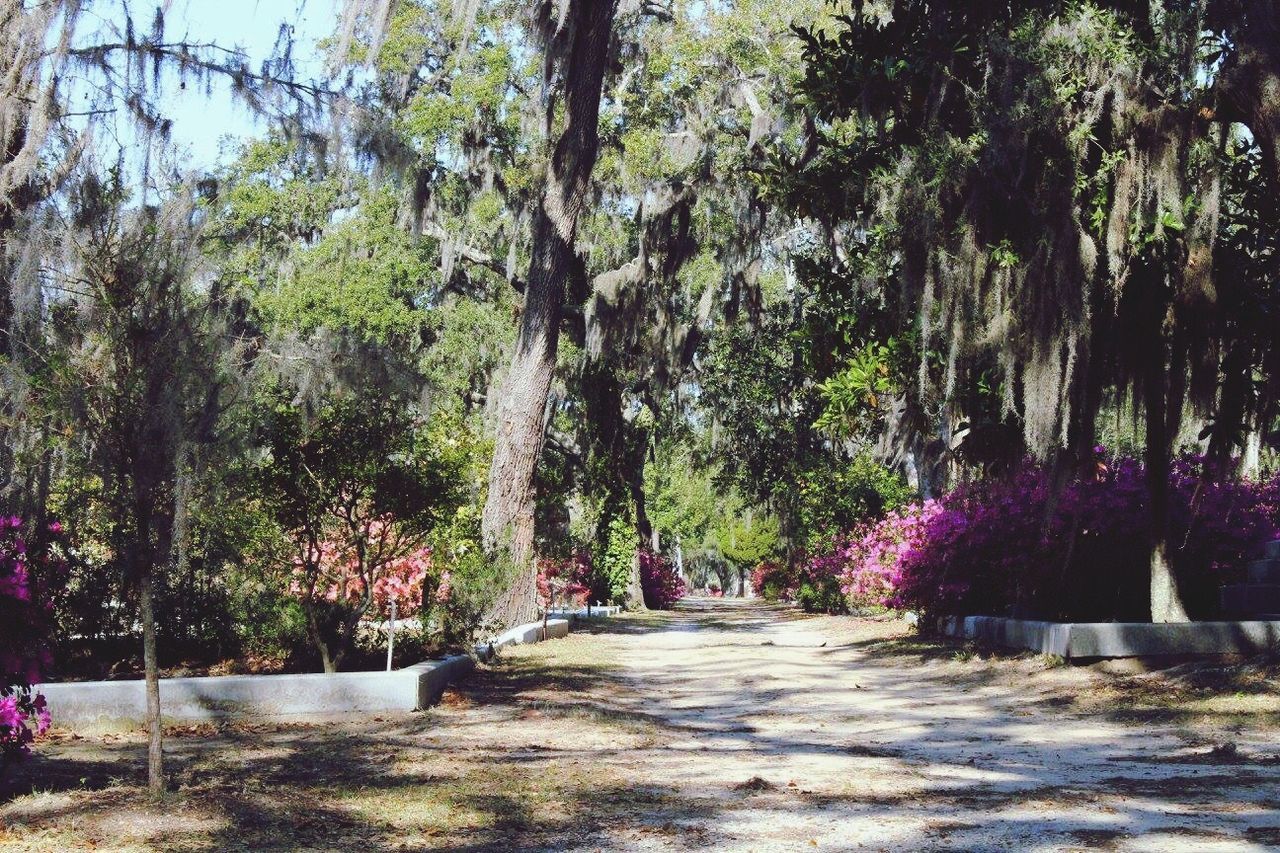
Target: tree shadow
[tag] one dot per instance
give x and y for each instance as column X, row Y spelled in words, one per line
column 732, row 744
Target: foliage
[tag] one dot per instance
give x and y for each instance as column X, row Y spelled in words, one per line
column 835, row 497
column 565, row 581
column 745, row 541
column 773, row 580
column 1021, row 546
column 365, row 275
column 993, row 174
column 403, row 579
column 662, row 586
column 358, row 490
column 27, row 578
column 830, row 501
column 866, row 561
column 613, row 561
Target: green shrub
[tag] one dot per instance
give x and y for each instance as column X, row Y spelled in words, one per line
column 833, row 499
column 613, row 564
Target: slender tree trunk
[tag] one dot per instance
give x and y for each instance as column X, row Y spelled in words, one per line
column 635, row 442
column 155, row 736
column 1166, row 603
column 508, row 521
column 327, row 660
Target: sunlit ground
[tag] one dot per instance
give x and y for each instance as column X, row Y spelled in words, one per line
column 725, row 725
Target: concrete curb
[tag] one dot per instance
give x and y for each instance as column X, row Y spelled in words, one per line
column 579, row 613
column 522, row 635
column 1092, row 640
column 123, row 704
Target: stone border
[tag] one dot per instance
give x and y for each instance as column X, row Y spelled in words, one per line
column 1093, row 640
column 556, row 629
column 598, row 611
column 122, row 704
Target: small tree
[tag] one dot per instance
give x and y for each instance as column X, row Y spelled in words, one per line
column 358, row 489
column 135, row 366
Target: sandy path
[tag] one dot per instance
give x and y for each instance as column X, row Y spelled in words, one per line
column 817, row 741
column 724, row 726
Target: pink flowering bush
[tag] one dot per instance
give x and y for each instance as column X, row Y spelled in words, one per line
column 565, row 581
column 343, row 579
column 24, row 653
column 1018, row 546
column 661, row 585
column 867, row 561
column 775, row 581
column 358, row 573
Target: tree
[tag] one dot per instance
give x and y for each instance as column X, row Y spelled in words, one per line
column 1038, row 187
column 746, row 542
column 358, row 489
column 576, row 38
column 135, row 367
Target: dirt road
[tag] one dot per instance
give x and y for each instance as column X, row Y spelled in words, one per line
column 724, row 725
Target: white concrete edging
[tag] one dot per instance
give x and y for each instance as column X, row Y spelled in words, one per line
column 123, row 704
column 1085, row 640
column 532, row 632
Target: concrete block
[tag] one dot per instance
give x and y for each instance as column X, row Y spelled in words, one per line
column 522, row 634
column 1265, row 571
column 532, row 633
column 434, row 676
column 1049, row 638
column 1141, row 639
column 576, row 613
column 1088, row 640
column 1271, row 549
column 123, row 704
column 1243, row 599
column 111, row 704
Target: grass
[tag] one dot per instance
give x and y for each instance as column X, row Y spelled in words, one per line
column 512, row 759
column 551, row 746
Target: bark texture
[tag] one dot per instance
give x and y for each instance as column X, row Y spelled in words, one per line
column 508, row 520
column 155, row 741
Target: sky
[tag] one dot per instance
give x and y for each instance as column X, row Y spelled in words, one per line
column 201, row 123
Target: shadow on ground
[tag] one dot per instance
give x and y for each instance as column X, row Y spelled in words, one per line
column 723, row 724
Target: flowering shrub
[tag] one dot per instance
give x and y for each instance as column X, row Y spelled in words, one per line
column 867, row 560
column 566, row 580
column 344, row 579
column 813, row 583
column 775, row 581
column 24, row 619
column 662, row 586
column 1019, row 546
column 357, row 573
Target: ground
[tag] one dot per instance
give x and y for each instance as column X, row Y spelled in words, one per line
column 723, row 725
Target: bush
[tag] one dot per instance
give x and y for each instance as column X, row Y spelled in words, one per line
column 833, row 499
column 662, row 586
column 775, row 581
column 821, row 595
column 867, row 559
column 27, row 580
column 813, row 584
column 613, row 565
column 565, row 581
column 1019, row 547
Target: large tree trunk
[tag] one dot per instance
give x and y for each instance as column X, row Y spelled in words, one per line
column 508, row 521
column 1166, row 602
column 1250, row 84
column 155, row 741
column 645, row 533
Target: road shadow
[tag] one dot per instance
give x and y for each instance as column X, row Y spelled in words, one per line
column 709, row 739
